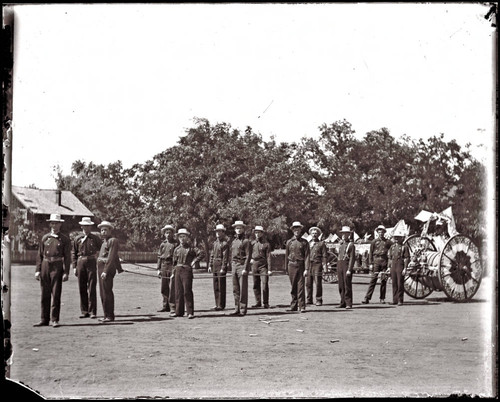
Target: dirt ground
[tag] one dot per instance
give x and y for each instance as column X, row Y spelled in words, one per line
column 426, row 347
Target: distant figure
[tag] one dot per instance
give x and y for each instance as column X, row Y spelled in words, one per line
column 85, row 250
column 240, row 265
column 108, row 264
column 218, row 266
column 398, row 258
column 165, row 268
column 52, row 269
column 319, row 260
column 261, row 267
column 345, row 266
column 297, row 262
column 185, row 258
column 377, row 258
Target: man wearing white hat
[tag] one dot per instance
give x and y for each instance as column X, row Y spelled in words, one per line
column 165, row 268
column 219, row 261
column 261, row 267
column 185, row 258
column 85, row 249
column 52, row 269
column 377, row 259
column 240, row 265
column 319, row 259
column 297, row 260
column 398, row 259
column 108, row 264
column 345, row 266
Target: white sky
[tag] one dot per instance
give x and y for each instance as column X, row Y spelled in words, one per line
column 122, row 82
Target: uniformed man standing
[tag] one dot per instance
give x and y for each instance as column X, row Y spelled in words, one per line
column 297, row 260
column 219, row 261
column 377, row 259
column 398, row 259
column 319, row 259
column 86, row 247
column 345, row 266
column 108, row 264
column 185, row 258
column 261, row 267
column 165, row 268
column 240, row 265
column 52, row 269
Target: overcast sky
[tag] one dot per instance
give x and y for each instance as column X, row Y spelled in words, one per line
column 122, row 82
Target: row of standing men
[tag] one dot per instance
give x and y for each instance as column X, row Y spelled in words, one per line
column 95, row 260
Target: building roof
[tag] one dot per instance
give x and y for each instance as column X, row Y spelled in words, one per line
column 44, row 202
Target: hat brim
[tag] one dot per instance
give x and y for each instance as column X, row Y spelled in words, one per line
column 296, row 226
column 315, row 228
column 105, row 226
column 239, row 224
column 86, row 223
column 55, row 220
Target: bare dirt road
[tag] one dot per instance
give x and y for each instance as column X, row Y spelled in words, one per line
column 426, row 347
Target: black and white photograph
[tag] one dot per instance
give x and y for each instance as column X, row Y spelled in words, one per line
column 249, row 200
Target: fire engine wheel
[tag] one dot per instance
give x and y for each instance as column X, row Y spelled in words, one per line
column 460, row 269
column 414, row 281
column 330, row 276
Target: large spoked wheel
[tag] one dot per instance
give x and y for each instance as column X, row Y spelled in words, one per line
column 460, row 269
column 330, row 276
column 414, row 281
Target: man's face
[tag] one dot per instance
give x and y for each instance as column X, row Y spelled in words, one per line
column 183, row 238
column 86, row 229
column 106, row 231
column 258, row 234
column 169, row 233
column 238, row 229
column 296, row 231
column 220, row 234
column 399, row 239
column 55, row 226
column 345, row 236
column 315, row 234
column 380, row 233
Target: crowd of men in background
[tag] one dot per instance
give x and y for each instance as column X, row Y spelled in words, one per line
column 95, row 260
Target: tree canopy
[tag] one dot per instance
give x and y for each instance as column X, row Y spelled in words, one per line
column 218, row 174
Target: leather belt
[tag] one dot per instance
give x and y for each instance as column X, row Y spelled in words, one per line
column 53, row 259
column 88, row 257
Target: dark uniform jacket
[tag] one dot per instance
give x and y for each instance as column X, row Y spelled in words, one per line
column 261, row 252
column 54, row 247
column 319, row 253
column 109, row 255
column 241, row 251
column 378, row 250
column 297, row 250
column 220, row 254
column 187, row 255
column 85, row 246
column 399, row 256
column 347, row 253
column 166, row 252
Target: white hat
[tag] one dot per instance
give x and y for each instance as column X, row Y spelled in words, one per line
column 55, row 218
column 296, row 224
column 258, row 228
column 238, row 223
column 105, row 224
column 381, row 227
column 317, row 228
column 346, row 229
column 183, row 231
column 220, row 227
column 86, row 222
column 167, row 227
